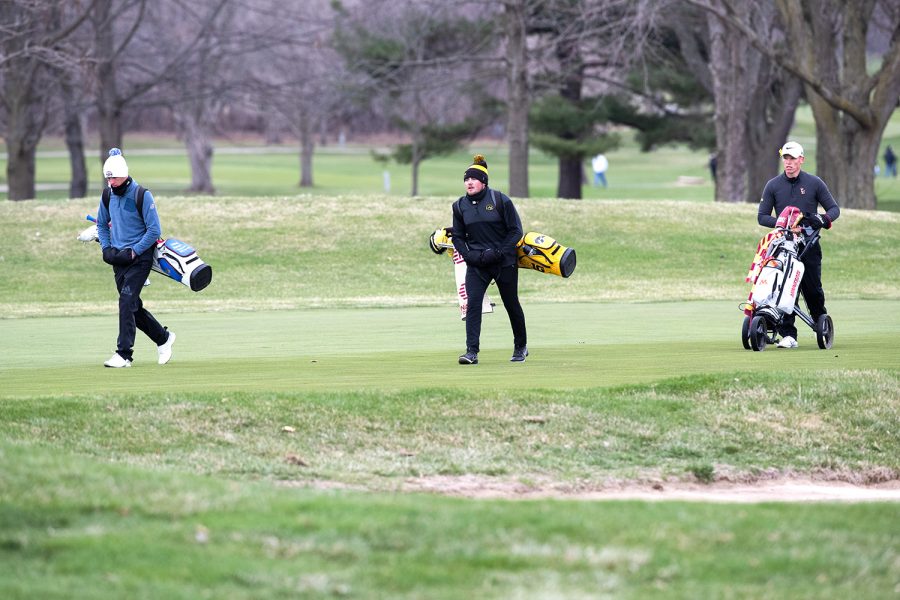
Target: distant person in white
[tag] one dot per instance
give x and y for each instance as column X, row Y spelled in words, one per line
column 600, row 164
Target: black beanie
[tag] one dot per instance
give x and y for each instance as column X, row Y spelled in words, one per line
column 478, row 170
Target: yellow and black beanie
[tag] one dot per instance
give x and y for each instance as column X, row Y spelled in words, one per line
column 478, row 169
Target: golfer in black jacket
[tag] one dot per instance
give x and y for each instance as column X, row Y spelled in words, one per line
column 486, row 229
column 806, row 192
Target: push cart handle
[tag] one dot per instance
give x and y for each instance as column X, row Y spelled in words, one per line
column 811, row 241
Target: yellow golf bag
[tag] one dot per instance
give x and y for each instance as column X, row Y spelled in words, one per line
column 535, row 251
column 543, row 253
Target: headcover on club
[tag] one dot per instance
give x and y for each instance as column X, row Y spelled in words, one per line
column 439, row 241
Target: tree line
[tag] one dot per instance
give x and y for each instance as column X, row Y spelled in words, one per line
column 563, row 76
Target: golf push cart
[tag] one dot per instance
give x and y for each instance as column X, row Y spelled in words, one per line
column 776, row 274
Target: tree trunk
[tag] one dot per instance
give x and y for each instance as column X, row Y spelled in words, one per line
column 571, row 174
column 199, row 149
column 307, row 146
column 846, row 155
column 517, row 115
column 570, row 167
column 851, row 106
column 415, row 175
column 732, row 71
column 25, row 121
column 769, row 123
column 109, row 109
column 74, row 134
column 20, row 168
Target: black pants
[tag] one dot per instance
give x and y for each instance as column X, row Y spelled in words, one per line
column 477, row 282
column 132, row 314
column 811, row 289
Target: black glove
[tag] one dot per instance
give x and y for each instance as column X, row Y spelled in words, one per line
column 490, row 257
column 127, row 256
column 473, row 258
column 817, row 221
column 119, row 258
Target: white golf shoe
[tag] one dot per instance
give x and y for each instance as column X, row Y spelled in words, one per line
column 165, row 349
column 788, row 342
column 117, row 362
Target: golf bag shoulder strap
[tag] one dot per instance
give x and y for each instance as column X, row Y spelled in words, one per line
column 457, row 211
column 499, row 203
column 138, row 199
column 496, row 199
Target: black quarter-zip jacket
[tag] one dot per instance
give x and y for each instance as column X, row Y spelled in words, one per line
column 806, row 192
column 486, row 220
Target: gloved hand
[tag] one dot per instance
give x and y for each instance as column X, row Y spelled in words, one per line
column 109, row 255
column 490, row 257
column 119, row 258
column 127, row 256
column 817, row 221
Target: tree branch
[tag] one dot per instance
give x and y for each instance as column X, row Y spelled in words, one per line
column 863, row 115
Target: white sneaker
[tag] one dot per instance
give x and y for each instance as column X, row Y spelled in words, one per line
column 165, row 349
column 788, row 342
column 117, row 362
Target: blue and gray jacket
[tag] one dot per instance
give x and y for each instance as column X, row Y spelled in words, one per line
column 122, row 227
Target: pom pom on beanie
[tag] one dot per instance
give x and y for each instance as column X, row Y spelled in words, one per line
column 478, row 169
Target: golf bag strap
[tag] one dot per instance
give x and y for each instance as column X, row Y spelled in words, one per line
column 498, row 203
column 138, row 200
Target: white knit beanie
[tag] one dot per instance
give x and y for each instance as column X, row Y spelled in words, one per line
column 115, row 165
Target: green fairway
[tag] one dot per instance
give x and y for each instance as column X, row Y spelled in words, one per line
column 572, row 346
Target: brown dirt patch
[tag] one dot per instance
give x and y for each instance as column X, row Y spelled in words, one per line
column 825, row 487
column 769, row 490
column 821, row 486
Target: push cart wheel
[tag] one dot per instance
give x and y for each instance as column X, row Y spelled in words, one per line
column 759, row 336
column 825, row 332
column 745, row 333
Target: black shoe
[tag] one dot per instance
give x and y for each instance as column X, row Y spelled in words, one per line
column 469, row 358
column 519, row 354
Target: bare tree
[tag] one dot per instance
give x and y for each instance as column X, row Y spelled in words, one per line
column 852, row 96
column 755, row 103
column 128, row 63
column 420, row 64
column 32, row 51
column 298, row 78
column 579, row 41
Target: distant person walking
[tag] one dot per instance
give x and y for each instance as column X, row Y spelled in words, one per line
column 128, row 234
column 713, row 165
column 890, row 162
column 486, row 229
column 599, row 164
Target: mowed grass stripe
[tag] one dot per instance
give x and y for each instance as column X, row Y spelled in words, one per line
column 573, row 346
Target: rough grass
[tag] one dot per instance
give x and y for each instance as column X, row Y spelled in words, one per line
column 372, row 251
column 842, row 427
